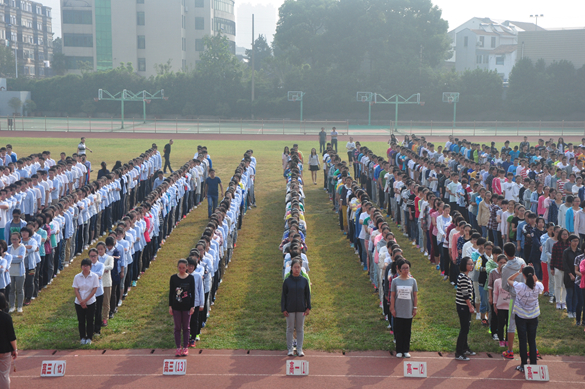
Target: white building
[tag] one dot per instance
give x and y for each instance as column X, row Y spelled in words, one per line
column 106, row 33
column 482, row 43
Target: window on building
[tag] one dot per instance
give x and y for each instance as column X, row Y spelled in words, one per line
column 481, row 41
column 41, row 56
column 140, row 20
column 39, row 11
column 141, row 42
column 199, row 23
column 465, row 41
column 14, row 36
column 77, row 17
column 225, row 26
column 493, row 41
column 48, row 13
column 199, row 45
column 183, row 21
column 13, row 20
column 224, row 5
column 78, row 40
column 500, row 60
column 184, row 44
column 479, row 58
column 75, row 62
column 41, row 41
column 39, row 27
column 141, row 64
column 199, row 3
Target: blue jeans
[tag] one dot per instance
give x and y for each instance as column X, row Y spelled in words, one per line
column 496, row 241
column 211, row 204
column 484, row 231
column 483, row 294
column 571, row 299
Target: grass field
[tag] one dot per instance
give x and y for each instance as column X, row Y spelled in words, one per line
column 247, row 314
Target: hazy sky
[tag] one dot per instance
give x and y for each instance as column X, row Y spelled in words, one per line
column 557, row 14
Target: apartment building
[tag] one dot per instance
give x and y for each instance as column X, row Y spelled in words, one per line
column 483, row 43
column 26, row 27
column 105, row 33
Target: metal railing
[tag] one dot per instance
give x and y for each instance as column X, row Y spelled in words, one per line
column 295, row 127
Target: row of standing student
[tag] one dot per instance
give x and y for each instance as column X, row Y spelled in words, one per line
column 378, row 252
column 130, row 248
column 60, row 212
column 193, row 290
column 296, row 288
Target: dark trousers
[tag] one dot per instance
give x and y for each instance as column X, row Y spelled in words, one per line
column 464, row 322
column 334, row 144
column 402, row 330
column 527, row 336
column 503, row 325
column 115, row 296
column 167, row 163
column 203, row 314
column 322, row 146
column 85, row 317
column 99, row 302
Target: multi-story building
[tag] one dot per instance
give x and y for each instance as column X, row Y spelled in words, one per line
column 26, row 27
column 146, row 33
column 482, row 43
column 553, row 45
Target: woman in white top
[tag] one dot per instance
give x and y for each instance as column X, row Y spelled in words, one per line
column 16, row 269
column 86, row 284
column 108, row 263
column 314, row 165
column 526, row 311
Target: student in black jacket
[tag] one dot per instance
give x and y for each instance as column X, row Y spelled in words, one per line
column 182, row 305
column 295, row 305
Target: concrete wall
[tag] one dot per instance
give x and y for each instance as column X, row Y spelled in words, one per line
column 5, row 109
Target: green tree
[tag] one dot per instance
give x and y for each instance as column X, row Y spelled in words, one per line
column 57, row 46
column 164, row 68
column 30, row 107
column 16, row 104
column 221, row 75
column 7, row 64
column 88, row 107
column 59, row 64
column 262, row 52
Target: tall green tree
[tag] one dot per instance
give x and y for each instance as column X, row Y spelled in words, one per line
column 7, row 65
column 262, row 51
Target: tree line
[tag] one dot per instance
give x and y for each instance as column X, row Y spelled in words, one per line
column 330, row 49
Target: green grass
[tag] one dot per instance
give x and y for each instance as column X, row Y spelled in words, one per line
column 247, row 314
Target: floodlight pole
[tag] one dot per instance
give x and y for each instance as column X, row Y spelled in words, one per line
column 454, row 112
column 369, row 113
column 301, row 108
column 396, row 114
column 122, row 100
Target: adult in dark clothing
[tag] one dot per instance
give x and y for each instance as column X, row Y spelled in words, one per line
column 8, row 350
column 295, row 305
column 182, row 305
column 322, row 140
column 167, row 156
column 212, row 184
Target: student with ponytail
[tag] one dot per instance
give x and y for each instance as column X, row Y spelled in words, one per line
column 526, row 311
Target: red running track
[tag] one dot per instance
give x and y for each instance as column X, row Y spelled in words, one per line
column 266, row 369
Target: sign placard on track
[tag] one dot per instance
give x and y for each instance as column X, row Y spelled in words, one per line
column 297, row 367
column 415, row 369
column 536, row 373
column 53, row 368
column 174, row 367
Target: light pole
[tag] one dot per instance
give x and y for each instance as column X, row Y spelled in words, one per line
column 536, row 16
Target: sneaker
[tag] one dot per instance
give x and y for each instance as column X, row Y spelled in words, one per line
column 445, row 278
column 300, row 353
column 88, row 341
column 120, row 303
column 197, row 338
column 452, row 283
column 495, row 337
column 551, row 299
column 104, row 323
column 559, row 306
column 133, row 284
column 19, row 310
column 111, row 315
column 520, row 368
column 470, row 353
column 564, row 306
column 461, row 358
column 83, row 341
column 192, row 343
column 389, row 326
column 185, row 352
column 502, row 344
column 12, row 310
column 484, row 322
column 508, row 354
column 398, row 355
column 477, row 316
column 570, row 315
column 290, row 354
column 406, row 355
column 178, row 352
